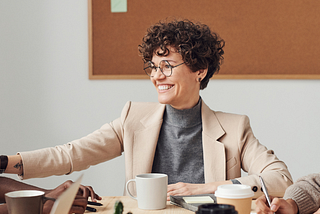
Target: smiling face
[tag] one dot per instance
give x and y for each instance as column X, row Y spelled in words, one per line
column 181, row 89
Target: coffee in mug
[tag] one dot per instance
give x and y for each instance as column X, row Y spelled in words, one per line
column 238, row 195
column 26, row 201
column 151, row 190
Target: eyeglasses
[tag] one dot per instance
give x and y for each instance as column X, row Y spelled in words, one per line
column 164, row 65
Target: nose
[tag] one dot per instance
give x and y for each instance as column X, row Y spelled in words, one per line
column 158, row 74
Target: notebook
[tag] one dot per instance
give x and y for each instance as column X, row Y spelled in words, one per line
column 64, row 202
column 191, row 202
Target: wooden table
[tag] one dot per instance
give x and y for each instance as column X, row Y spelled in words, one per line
column 131, row 205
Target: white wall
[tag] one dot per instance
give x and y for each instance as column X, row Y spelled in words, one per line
column 46, row 97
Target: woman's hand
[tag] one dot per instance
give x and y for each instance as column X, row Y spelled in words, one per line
column 80, row 202
column 184, row 189
column 278, row 205
column 193, row 189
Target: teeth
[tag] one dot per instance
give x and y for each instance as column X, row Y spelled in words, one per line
column 164, row 87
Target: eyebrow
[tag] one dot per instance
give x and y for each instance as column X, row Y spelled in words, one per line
column 169, row 60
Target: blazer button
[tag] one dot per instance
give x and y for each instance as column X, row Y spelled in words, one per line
column 254, row 188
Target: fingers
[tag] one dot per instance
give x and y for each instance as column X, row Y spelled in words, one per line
column 67, row 184
column 87, row 191
column 180, row 188
column 76, row 210
column 84, row 191
column 55, row 193
column 184, row 189
column 176, row 189
column 275, row 204
column 79, row 205
column 262, row 205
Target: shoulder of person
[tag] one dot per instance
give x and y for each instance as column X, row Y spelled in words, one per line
column 314, row 178
column 230, row 116
column 136, row 110
column 142, row 105
column 223, row 115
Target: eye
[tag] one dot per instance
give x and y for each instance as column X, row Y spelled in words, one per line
column 167, row 66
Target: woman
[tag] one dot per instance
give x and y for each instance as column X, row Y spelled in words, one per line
column 301, row 197
column 181, row 136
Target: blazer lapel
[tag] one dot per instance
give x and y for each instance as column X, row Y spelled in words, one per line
column 145, row 141
column 213, row 150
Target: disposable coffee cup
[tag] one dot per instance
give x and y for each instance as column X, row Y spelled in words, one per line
column 238, row 195
column 151, row 190
column 26, row 201
column 216, row 209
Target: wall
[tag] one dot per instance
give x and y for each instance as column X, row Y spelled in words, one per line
column 46, row 98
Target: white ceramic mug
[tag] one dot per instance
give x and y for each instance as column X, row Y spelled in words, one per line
column 151, row 190
column 26, row 201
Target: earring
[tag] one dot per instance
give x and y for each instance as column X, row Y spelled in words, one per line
column 199, row 79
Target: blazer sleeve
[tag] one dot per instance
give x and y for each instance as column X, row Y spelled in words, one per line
column 257, row 160
column 101, row 145
column 306, row 193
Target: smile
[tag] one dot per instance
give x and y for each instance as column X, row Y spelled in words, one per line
column 164, row 87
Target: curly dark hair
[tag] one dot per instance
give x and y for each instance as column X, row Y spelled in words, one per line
column 199, row 47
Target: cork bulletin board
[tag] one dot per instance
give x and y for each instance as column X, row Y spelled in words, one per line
column 267, row 39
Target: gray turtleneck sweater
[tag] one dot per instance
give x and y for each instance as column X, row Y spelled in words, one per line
column 179, row 150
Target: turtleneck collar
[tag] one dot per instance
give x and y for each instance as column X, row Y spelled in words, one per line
column 185, row 118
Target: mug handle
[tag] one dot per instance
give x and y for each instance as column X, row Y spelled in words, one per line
column 127, row 189
column 48, row 198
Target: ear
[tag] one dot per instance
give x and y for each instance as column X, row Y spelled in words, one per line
column 202, row 74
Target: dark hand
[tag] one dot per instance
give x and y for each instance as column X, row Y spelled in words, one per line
column 79, row 204
column 87, row 191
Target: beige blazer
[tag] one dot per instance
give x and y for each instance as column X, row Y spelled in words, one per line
column 228, row 145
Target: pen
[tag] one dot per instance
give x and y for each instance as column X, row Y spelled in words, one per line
column 94, row 203
column 91, row 209
column 265, row 191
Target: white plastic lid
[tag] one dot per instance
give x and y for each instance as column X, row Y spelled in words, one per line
column 24, row 193
column 235, row 191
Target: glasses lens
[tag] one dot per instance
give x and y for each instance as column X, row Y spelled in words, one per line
column 148, row 67
column 165, row 68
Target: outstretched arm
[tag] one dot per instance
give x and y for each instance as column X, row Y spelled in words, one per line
column 79, row 204
column 15, row 165
column 9, row 185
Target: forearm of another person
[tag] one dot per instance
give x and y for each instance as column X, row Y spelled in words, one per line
column 306, row 193
column 9, row 185
column 193, row 189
